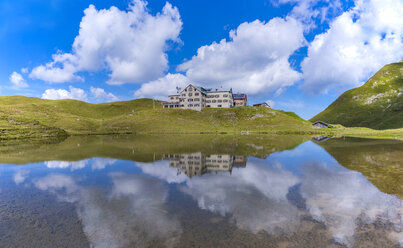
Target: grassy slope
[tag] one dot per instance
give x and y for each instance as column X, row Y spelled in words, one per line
column 145, row 148
column 380, row 161
column 378, row 104
column 76, row 117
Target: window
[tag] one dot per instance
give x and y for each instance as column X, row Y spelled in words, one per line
column 190, row 105
column 190, row 100
column 183, row 95
column 190, row 94
column 225, row 95
column 219, row 100
column 197, row 99
column 196, row 94
column 197, row 105
column 208, row 106
column 225, row 100
column 213, row 101
column 190, row 89
column 216, row 96
column 219, row 106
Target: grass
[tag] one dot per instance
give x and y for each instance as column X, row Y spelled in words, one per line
column 378, row 160
column 144, row 148
column 138, row 116
column 27, row 117
column 378, row 104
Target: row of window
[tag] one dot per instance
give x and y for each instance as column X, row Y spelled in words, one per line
column 214, row 101
column 216, row 96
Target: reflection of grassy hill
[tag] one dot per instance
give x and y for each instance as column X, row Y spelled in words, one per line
column 377, row 104
column 380, row 161
column 76, row 117
column 146, row 148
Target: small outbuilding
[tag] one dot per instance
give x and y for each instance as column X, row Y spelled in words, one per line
column 321, row 124
column 262, row 104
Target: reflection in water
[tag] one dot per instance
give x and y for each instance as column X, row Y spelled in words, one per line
column 132, row 213
column 199, row 164
column 296, row 198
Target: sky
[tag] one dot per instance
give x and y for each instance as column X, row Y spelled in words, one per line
column 297, row 55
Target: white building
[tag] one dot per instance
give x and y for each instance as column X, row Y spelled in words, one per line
column 197, row 98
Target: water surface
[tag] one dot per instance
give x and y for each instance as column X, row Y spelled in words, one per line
column 201, row 191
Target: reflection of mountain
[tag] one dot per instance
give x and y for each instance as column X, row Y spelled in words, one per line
column 380, row 161
column 146, row 148
column 198, row 164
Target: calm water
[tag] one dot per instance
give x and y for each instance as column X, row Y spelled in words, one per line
column 202, row 191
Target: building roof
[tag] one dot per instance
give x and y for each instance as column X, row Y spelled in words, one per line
column 203, row 90
column 323, row 123
column 239, row 95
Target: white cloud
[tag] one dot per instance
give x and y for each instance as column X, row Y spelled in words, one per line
column 358, row 43
column 163, row 86
column 101, row 95
column 74, row 93
column 76, row 165
column 17, row 80
column 130, row 44
column 20, row 176
column 254, row 60
column 311, row 11
column 271, row 103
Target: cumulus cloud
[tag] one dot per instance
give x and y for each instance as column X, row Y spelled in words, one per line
column 254, row 60
column 20, row 176
column 312, row 11
column 72, row 93
column 103, row 96
column 76, row 165
column 163, row 86
column 131, row 45
column 358, row 43
column 17, row 80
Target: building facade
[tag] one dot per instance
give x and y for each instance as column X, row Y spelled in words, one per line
column 220, row 99
column 240, row 100
column 197, row 164
column 197, row 98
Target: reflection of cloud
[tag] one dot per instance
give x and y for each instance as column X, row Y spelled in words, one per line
column 96, row 164
column 101, row 163
column 162, row 171
column 339, row 197
column 20, row 176
column 256, row 196
column 64, row 164
column 132, row 215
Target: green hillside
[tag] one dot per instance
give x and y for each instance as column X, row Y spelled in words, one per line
column 377, row 104
column 26, row 117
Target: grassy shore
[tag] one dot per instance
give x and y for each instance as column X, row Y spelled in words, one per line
column 27, row 117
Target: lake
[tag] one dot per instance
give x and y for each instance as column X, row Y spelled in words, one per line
column 201, row 191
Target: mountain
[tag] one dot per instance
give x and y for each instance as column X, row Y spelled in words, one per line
column 377, row 104
column 33, row 117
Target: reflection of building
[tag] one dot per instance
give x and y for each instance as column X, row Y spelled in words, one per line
column 196, row 164
column 239, row 161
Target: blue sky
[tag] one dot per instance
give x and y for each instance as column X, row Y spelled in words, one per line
column 299, row 55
